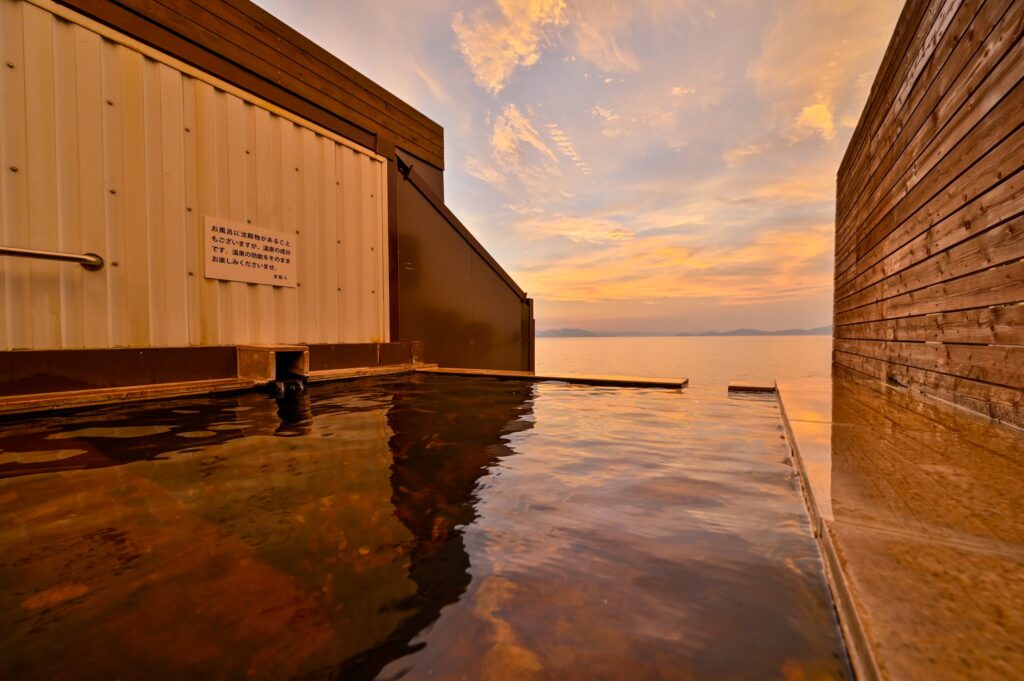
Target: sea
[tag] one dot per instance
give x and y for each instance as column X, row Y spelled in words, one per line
column 710, row 361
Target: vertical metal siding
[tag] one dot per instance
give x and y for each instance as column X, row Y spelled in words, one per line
column 109, row 150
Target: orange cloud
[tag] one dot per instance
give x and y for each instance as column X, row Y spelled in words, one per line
column 777, row 265
column 495, row 47
column 596, row 27
column 521, row 163
column 594, row 230
column 817, row 60
column 511, row 129
column 817, row 118
column 734, row 157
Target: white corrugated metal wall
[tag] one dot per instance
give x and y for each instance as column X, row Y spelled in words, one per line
column 110, row 147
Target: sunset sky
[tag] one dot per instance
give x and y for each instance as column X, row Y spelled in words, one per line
column 666, row 165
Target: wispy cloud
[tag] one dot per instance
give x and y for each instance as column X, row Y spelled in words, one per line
column 513, row 130
column 666, row 164
column 565, row 146
column 776, row 265
column 597, row 28
column 576, row 229
column 495, row 46
column 520, row 162
column 497, row 40
column 817, row 60
column 735, row 156
column 816, row 118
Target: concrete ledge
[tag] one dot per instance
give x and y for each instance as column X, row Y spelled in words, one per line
column 915, row 506
column 812, row 453
column 614, row 381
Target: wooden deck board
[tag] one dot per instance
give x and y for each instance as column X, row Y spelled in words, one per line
column 614, row 381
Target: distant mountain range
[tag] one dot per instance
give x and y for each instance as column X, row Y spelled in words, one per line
column 818, row 331
column 584, row 333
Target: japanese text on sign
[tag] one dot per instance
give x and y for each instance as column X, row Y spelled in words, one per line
column 237, row 252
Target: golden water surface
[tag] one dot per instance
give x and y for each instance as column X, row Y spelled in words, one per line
column 426, row 527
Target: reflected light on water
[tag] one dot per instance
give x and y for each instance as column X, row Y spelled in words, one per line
column 419, row 527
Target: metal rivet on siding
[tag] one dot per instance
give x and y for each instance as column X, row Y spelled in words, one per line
column 339, row 289
column 113, row 191
column 110, row 102
column 339, row 241
column 371, row 248
column 114, row 263
column 296, row 231
column 188, row 208
column 248, row 222
column 190, row 274
column 337, row 184
column 296, row 170
column 372, row 291
column 10, row 64
column 298, row 284
column 188, row 129
column 247, row 151
column 14, row 169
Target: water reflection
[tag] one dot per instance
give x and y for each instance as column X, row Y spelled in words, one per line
column 215, row 547
column 638, row 534
column 296, row 414
column 927, row 503
column 434, row 527
column 446, row 435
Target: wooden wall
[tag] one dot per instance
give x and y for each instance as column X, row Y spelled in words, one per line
column 929, row 278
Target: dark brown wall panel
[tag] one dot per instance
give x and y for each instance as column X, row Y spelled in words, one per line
column 357, row 355
column 930, row 211
column 452, row 294
column 497, row 329
column 26, row 372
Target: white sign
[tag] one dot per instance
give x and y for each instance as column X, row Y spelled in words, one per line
column 237, row 252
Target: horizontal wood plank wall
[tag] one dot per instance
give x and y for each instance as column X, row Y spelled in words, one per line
column 251, row 49
column 108, row 150
column 930, row 211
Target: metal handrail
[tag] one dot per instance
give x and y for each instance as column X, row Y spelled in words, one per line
column 89, row 261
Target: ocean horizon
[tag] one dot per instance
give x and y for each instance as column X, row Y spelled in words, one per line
column 705, row 360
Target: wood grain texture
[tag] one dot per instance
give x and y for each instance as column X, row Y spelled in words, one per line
column 930, row 211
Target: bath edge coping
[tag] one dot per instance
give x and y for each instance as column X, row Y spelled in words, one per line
column 582, row 379
column 858, row 646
